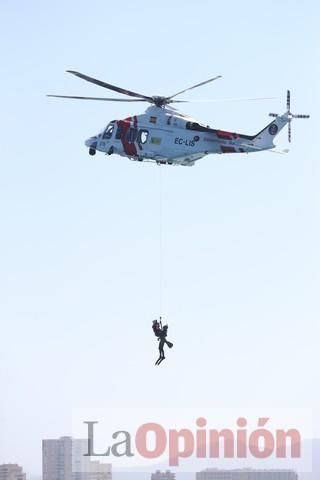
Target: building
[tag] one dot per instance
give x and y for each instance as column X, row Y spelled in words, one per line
column 11, row 471
column 100, row 471
column 246, row 474
column 65, row 459
column 167, row 475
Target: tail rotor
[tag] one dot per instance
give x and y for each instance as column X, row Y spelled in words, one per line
column 289, row 131
column 289, row 115
column 288, row 100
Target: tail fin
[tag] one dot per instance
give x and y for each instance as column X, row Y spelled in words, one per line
column 264, row 139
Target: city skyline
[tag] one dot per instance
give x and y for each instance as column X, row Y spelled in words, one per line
column 65, row 458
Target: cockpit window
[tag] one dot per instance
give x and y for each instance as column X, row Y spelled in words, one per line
column 108, row 131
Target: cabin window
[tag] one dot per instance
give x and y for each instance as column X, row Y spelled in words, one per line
column 192, row 126
column 108, row 131
column 196, row 126
column 143, row 136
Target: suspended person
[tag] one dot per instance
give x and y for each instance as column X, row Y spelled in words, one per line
column 161, row 332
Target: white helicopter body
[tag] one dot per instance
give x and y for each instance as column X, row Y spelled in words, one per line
column 164, row 136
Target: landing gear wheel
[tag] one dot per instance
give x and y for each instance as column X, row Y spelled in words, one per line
column 92, row 151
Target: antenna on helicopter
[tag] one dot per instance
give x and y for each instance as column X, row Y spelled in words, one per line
column 289, row 115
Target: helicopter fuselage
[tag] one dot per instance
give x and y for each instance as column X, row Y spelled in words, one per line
column 165, row 136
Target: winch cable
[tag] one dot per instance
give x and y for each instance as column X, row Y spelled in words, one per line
column 160, row 241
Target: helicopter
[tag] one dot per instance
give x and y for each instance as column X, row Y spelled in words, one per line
column 167, row 137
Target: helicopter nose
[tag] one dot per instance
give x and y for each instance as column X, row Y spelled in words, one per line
column 91, row 142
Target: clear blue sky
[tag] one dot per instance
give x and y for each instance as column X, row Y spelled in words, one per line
column 79, row 240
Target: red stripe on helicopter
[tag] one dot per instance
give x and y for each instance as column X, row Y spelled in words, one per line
column 129, row 148
column 226, row 135
column 227, row 149
column 135, row 124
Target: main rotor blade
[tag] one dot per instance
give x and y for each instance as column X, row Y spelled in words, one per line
column 194, row 86
column 215, row 100
column 104, row 99
column 109, row 86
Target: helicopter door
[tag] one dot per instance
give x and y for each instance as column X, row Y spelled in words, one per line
column 127, row 135
column 119, row 133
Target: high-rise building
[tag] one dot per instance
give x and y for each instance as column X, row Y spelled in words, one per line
column 64, row 459
column 246, row 474
column 167, row 475
column 11, row 471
